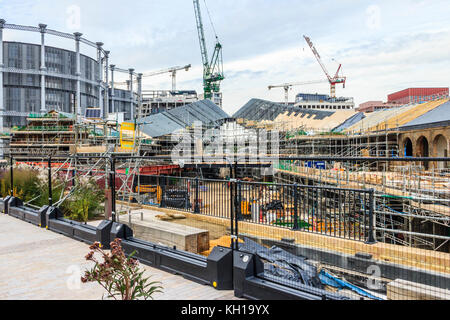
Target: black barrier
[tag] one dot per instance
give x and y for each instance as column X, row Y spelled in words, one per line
column 36, row 217
column 12, row 202
column 77, row 230
column 15, row 206
column 248, row 283
column 5, row 204
column 361, row 263
column 214, row 270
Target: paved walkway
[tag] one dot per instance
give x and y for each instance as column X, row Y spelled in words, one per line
column 40, row 264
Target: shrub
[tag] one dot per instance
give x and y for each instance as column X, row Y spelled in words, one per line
column 86, row 201
column 24, row 180
column 119, row 275
column 42, row 188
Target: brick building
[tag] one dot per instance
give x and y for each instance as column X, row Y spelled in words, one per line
column 417, row 95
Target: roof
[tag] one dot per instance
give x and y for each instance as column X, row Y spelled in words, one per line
column 437, row 117
column 315, row 122
column 62, row 113
column 350, row 122
column 257, row 109
column 164, row 123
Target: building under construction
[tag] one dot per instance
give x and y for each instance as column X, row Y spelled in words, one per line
column 332, row 170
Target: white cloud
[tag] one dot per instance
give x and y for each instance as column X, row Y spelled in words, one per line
column 407, row 44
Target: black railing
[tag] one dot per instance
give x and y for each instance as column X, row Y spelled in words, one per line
column 270, row 212
column 344, row 213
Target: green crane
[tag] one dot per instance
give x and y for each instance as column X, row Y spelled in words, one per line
column 212, row 70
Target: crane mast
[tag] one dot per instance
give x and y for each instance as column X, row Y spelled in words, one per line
column 201, row 35
column 332, row 80
column 212, row 70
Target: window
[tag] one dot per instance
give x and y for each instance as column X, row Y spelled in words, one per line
column 31, row 58
column 14, row 55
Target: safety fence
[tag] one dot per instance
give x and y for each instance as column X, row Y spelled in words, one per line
column 411, row 196
column 265, row 240
column 337, row 212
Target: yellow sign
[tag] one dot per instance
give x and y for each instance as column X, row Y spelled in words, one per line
column 127, row 135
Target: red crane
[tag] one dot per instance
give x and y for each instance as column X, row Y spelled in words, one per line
column 332, row 80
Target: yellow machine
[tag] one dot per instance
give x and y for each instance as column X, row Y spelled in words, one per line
column 145, row 188
column 245, row 208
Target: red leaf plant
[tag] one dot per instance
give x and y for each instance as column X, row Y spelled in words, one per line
column 119, row 275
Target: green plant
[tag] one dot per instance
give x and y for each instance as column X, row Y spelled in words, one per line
column 119, row 275
column 42, row 188
column 86, row 200
column 24, row 183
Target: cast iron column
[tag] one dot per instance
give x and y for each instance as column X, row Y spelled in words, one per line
column 2, row 109
column 132, row 95
column 78, row 74
column 100, row 77
column 106, row 99
column 43, row 68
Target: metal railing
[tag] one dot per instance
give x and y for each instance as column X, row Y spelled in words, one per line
column 343, row 213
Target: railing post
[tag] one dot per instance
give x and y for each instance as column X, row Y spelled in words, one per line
column 371, row 238
column 295, row 227
column 11, row 175
column 237, row 213
column 50, row 195
column 196, row 206
column 238, row 202
column 73, row 178
column 112, row 182
column 232, row 210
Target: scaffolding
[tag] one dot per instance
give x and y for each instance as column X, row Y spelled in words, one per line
column 412, row 204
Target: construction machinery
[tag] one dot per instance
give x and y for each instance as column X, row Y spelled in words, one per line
column 288, row 86
column 332, row 80
column 212, row 69
column 173, row 74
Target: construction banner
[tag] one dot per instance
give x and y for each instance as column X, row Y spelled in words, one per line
column 127, row 135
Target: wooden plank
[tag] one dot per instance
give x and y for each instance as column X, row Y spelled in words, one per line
column 405, row 290
column 170, row 234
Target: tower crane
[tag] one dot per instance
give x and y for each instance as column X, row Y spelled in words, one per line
column 332, row 80
column 288, row 86
column 212, row 69
column 172, row 71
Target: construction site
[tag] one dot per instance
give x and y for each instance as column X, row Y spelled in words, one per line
column 306, row 186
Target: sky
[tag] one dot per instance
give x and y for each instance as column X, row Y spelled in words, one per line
column 383, row 46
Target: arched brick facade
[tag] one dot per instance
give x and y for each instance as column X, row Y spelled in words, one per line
column 435, row 147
